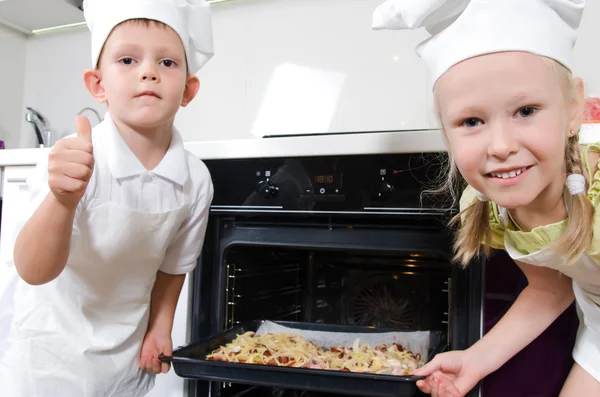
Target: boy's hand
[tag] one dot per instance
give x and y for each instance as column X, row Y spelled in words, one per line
column 70, row 165
column 156, row 343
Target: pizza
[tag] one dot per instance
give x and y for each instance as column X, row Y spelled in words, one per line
column 290, row 350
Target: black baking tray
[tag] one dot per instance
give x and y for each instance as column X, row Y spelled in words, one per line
column 190, row 362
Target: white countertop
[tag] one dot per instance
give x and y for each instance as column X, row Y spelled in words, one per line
column 298, row 146
column 302, row 146
column 21, row 156
column 321, row 145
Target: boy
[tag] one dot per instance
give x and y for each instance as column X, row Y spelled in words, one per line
column 122, row 213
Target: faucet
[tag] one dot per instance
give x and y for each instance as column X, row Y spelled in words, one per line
column 91, row 110
column 42, row 131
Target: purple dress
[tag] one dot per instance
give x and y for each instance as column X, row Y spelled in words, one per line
column 541, row 368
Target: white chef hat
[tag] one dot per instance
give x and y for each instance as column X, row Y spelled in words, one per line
column 191, row 20
column 463, row 29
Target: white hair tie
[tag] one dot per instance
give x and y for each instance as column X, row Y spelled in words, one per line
column 576, row 184
column 481, row 196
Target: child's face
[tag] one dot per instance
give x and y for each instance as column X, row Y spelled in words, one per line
column 143, row 74
column 506, row 119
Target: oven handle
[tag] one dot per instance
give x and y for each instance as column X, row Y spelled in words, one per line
column 165, row 359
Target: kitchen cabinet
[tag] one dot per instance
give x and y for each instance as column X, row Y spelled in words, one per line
column 14, row 205
column 31, row 16
column 27, row 16
column 15, row 197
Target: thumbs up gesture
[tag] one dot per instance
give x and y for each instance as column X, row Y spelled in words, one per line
column 70, row 165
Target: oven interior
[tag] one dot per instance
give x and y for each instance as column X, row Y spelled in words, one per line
column 399, row 291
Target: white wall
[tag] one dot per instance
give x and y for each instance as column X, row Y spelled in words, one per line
column 586, row 57
column 12, row 80
column 281, row 66
column 54, row 82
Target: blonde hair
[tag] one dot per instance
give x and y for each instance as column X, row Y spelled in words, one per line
column 473, row 235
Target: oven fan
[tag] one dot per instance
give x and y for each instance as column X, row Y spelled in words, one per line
column 381, row 301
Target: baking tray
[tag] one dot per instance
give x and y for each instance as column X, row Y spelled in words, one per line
column 190, row 362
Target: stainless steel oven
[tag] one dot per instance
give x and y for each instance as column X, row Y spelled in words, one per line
column 345, row 240
column 333, row 229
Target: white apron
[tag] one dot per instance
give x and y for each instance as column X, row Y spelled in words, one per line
column 585, row 274
column 80, row 335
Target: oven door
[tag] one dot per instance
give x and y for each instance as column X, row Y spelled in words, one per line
column 340, row 270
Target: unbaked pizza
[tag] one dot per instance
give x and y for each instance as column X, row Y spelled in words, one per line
column 295, row 351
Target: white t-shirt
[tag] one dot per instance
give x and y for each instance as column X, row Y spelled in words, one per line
column 178, row 179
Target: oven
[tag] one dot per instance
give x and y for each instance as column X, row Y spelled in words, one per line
column 340, row 239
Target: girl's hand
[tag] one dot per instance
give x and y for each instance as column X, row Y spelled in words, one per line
column 156, row 343
column 451, row 374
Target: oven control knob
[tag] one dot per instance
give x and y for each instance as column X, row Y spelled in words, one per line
column 267, row 189
column 383, row 190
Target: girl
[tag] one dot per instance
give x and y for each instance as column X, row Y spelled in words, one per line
column 511, row 111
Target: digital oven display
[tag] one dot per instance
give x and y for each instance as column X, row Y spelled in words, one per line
column 327, row 182
column 324, row 179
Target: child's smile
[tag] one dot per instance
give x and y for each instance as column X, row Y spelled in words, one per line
column 509, row 176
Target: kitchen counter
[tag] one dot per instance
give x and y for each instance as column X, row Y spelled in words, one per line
column 296, row 146
column 321, row 145
column 21, row 156
column 302, row 146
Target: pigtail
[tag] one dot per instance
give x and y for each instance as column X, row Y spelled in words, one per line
column 472, row 225
column 473, row 233
column 577, row 236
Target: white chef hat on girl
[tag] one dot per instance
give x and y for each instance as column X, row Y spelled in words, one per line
column 463, row 29
column 191, row 20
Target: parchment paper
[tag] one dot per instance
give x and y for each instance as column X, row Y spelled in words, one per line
column 415, row 341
